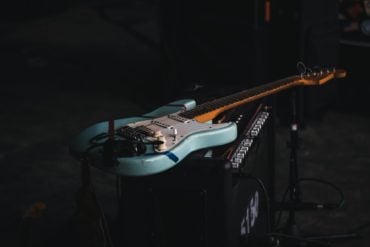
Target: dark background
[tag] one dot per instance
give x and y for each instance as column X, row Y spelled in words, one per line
column 65, row 65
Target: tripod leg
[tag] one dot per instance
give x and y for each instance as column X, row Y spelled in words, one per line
column 334, row 236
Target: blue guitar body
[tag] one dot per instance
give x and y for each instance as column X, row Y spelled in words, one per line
column 167, row 139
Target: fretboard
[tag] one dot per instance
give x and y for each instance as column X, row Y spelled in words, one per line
column 245, row 96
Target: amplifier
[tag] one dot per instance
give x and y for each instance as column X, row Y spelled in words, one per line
column 215, row 197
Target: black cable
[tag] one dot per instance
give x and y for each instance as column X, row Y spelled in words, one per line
column 281, row 210
column 118, row 188
column 87, row 184
column 316, row 242
column 362, row 227
column 87, row 150
column 340, row 204
column 101, row 9
column 339, row 190
column 105, row 227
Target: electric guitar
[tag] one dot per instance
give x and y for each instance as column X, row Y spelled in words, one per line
column 161, row 139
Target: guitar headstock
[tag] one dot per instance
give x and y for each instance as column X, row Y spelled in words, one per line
column 321, row 76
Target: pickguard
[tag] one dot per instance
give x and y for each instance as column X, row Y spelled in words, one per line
column 180, row 136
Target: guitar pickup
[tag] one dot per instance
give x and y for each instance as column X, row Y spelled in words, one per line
column 179, row 118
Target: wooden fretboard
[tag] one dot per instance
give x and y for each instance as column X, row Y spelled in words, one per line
column 209, row 110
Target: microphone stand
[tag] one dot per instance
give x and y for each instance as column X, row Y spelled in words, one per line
column 292, row 236
column 291, row 227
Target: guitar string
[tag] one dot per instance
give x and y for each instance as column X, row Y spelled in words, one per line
column 230, row 99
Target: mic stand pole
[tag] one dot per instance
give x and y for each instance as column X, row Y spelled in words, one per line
column 291, row 227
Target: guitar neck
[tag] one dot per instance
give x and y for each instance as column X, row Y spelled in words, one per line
column 209, row 110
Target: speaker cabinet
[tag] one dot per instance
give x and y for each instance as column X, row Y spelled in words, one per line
column 203, row 201
column 200, row 203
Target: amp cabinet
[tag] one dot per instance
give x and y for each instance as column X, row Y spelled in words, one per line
column 208, row 199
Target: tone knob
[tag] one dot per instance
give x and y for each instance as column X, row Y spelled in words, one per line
column 162, row 146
